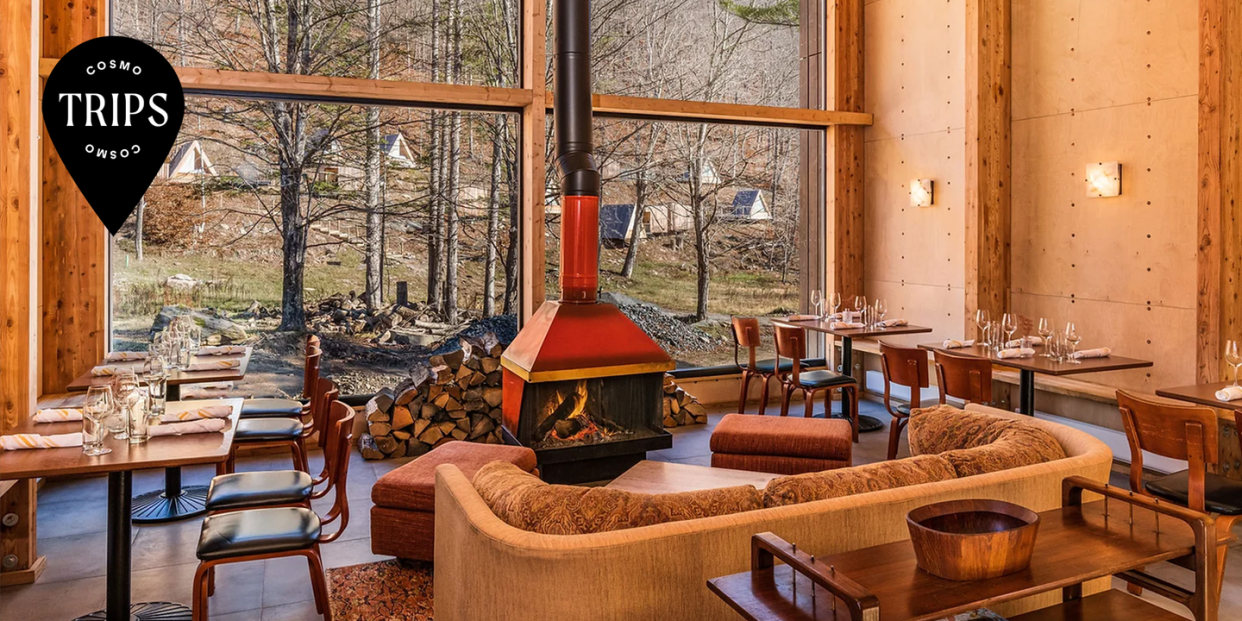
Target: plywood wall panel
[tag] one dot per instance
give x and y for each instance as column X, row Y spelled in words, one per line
column 939, row 308
column 1089, row 54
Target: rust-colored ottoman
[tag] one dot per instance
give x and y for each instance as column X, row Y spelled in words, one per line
column 403, row 519
column 781, row 445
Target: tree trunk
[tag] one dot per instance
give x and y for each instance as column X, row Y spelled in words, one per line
column 493, row 227
column 293, row 233
column 372, row 294
column 454, row 171
column 640, row 208
column 701, row 256
column 435, row 225
column 142, row 207
column 513, row 272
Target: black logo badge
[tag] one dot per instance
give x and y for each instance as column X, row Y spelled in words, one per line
column 113, row 107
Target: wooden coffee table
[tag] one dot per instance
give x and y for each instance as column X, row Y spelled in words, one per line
column 659, row 477
column 158, row 452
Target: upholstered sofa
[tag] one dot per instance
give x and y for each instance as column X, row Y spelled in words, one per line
column 487, row 569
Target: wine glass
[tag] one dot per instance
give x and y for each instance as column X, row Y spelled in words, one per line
column 97, row 409
column 817, row 302
column 1045, row 331
column 126, row 388
column 880, row 310
column 983, row 322
column 835, row 302
column 1073, row 337
column 860, row 302
column 1233, row 357
column 1009, row 324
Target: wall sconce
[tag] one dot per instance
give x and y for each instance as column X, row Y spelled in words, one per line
column 1104, row 179
column 922, row 193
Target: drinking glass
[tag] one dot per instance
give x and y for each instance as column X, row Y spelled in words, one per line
column 982, row 320
column 157, row 388
column 1233, row 357
column 137, row 412
column 1009, row 324
column 817, row 302
column 835, row 302
column 126, row 383
column 1054, row 346
column 98, row 407
column 860, row 302
column 880, row 310
column 1072, row 338
column 1045, row 331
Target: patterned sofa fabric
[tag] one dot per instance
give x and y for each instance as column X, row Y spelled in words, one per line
column 800, row 488
column 979, row 443
column 525, row 502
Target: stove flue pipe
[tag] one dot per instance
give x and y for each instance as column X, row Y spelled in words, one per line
column 571, row 22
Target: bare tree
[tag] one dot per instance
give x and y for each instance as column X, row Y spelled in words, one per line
column 454, row 170
column 373, row 175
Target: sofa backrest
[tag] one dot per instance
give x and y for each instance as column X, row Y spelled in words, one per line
column 978, row 442
column 812, row 486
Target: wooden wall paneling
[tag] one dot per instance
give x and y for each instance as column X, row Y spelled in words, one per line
column 988, row 154
column 1219, row 269
column 844, row 151
column 73, row 261
column 18, row 226
column 531, row 153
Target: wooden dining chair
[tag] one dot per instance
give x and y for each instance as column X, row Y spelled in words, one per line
column 968, row 379
column 286, row 432
column 746, row 334
column 283, row 488
column 906, row 366
column 265, row 407
column 791, row 344
column 1187, row 433
column 260, row 534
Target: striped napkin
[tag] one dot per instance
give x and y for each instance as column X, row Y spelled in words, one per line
column 1030, row 340
column 205, row 425
column 1099, row 352
column 126, row 356
column 220, row 350
column 209, row 412
column 104, row 370
column 1229, row 393
column 893, row 323
column 60, row 415
column 36, row 441
column 214, row 365
column 956, row 344
column 1015, row 352
column 802, row 317
column 845, row 325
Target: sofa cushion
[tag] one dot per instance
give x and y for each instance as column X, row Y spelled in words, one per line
column 525, row 502
column 817, row 438
column 977, row 442
column 882, row 475
column 413, row 486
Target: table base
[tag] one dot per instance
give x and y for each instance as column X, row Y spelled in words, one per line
column 147, row 611
column 156, row 507
column 867, row 424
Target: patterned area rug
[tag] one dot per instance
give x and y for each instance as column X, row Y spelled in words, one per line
column 396, row 590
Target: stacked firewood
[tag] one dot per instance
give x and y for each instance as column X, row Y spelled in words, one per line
column 680, row 408
column 455, row 395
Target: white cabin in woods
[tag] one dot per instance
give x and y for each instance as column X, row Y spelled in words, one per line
column 749, row 205
column 399, row 153
column 616, row 224
column 669, row 219
column 707, row 175
column 187, row 162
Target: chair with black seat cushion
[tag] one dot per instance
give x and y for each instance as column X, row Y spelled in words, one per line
column 791, row 345
column 290, row 433
column 908, row 367
column 252, row 490
column 259, row 534
column 290, row 408
column 968, row 379
column 746, row 334
column 1184, row 433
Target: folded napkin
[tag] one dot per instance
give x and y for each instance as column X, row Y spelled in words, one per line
column 204, row 425
column 60, row 415
column 1031, row 340
column 1024, row 352
column 209, row 412
column 112, row 369
column 956, row 344
column 213, row 365
column 1099, row 352
column 1229, row 393
column 126, row 356
column 802, row 317
column 893, row 323
column 220, row 350
column 36, row 441
column 845, row 325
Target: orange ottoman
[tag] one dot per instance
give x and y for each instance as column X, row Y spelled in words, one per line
column 781, row 445
column 403, row 519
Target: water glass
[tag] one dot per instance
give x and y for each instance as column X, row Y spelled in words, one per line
column 1233, row 357
column 98, row 407
column 137, row 412
column 1045, row 331
column 835, row 302
column 817, row 302
column 124, row 384
column 1072, row 338
column 1009, row 323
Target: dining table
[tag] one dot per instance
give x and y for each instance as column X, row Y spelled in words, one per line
column 847, row 336
column 1038, row 363
column 157, row 452
column 1202, row 394
column 175, row 501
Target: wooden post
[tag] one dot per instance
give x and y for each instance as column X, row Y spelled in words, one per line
column 531, row 152
column 988, row 194
column 844, row 155
column 403, row 293
column 812, row 200
column 1219, row 309
column 18, row 346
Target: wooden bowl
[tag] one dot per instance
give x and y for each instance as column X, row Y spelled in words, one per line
column 972, row 539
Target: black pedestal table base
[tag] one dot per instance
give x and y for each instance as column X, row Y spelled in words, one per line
column 158, row 506
column 147, row 611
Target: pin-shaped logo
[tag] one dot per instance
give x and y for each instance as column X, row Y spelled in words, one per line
column 113, row 107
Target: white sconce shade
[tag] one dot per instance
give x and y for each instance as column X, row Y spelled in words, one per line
column 921, row 193
column 1104, row 179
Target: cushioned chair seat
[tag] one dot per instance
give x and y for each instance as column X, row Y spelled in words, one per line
column 413, row 486
column 823, row 379
column 267, row 408
column 1220, row 495
column 267, row 429
column 258, row 531
column 258, row 489
column 820, row 438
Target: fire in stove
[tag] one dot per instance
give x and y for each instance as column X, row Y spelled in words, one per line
column 569, row 419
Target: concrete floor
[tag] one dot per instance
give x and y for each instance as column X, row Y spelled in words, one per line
column 72, row 523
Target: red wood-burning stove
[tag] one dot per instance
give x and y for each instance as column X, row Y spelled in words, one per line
column 583, row 385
